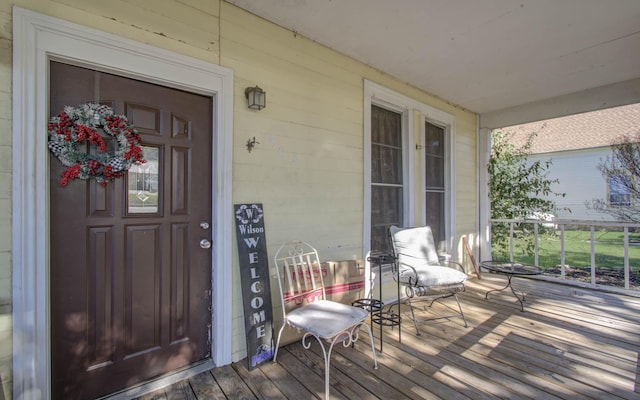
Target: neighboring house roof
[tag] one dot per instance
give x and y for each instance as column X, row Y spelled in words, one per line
column 580, row 131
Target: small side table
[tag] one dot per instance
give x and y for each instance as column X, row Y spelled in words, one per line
column 376, row 306
column 510, row 269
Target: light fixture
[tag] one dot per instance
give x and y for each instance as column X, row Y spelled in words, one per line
column 256, row 97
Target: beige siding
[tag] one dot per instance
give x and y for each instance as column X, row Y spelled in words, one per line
column 467, row 176
column 187, row 27
column 308, row 166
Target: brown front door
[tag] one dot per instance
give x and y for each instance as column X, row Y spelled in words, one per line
column 130, row 281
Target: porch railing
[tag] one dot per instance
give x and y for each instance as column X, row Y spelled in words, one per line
column 600, row 264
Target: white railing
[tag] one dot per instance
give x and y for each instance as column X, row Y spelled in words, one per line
column 559, row 227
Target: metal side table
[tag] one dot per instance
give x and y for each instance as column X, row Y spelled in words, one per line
column 376, row 306
column 510, row 269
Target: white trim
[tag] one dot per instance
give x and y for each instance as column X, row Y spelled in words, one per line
column 484, row 206
column 157, row 384
column 607, row 96
column 380, row 95
column 38, row 38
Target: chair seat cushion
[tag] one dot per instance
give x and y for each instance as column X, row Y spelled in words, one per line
column 326, row 318
column 432, row 276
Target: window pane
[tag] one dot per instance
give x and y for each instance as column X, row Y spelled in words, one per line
column 386, row 210
column 386, row 164
column 434, row 173
column 435, row 216
column 435, row 183
column 386, row 127
column 386, row 175
column 434, row 157
column 619, row 190
column 143, row 184
column 434, row 141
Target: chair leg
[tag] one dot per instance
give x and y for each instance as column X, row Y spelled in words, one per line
column 461, row 313
column 373, row 348
column 275, row 353
column 352, row 336
column 413, row 317
column 327, row 370
column 326, row 354
column 455, row 295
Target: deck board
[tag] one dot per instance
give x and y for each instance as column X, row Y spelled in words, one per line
column 570, row 342
column 204, row 386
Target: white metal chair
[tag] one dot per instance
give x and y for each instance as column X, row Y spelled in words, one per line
column 421, row 271
column 329, row 322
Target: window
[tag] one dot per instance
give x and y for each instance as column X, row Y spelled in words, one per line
column 619, row 190
column 404, row 139
column 387, row 184
column 142, row 196
column 434, row 148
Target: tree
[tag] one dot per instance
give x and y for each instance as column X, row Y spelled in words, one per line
column 517, row 188
column 622, row 171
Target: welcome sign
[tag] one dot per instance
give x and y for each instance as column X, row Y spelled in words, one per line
column 254, row 276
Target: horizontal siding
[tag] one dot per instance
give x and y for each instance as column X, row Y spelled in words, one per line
column 466, row 181
column 175, row 21
column 186, row 27
column 579, row 178
column 308, row 166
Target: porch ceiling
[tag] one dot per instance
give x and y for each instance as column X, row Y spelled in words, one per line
column 485, row 56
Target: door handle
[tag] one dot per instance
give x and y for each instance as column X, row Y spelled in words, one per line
column 205, row 243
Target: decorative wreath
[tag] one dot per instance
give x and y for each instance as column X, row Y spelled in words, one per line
column 75, row 125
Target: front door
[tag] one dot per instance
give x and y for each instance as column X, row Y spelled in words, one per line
column 130, row 278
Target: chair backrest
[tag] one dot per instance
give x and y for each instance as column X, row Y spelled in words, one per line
column 300, row 274
column 414, row 247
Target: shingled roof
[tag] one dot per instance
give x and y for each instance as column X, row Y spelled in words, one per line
column 580, row 131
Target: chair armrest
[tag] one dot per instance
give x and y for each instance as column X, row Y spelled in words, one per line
column 452, row 264
column 410, row 275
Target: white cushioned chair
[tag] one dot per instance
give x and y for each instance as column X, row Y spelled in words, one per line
column 306, row 308
column 421, row 271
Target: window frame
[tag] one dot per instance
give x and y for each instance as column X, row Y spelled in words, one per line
column 630, row 193
column 446, row 122
column 413, row 160
column 404, row 170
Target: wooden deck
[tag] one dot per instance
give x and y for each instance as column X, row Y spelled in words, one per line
column 569, row 343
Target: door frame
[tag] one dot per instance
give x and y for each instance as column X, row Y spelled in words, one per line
column 37, row 39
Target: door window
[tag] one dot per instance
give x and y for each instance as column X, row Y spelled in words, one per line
column 143, row 184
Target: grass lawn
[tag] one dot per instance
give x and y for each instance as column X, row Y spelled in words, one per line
column 609, row 250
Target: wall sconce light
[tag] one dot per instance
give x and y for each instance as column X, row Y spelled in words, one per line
column 256, row 97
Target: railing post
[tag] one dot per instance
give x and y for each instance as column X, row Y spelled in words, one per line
column 629, row 266
column 535, row 244
column 593, row 255
column 627, row 272
column 563, row 260
column 511, row 241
